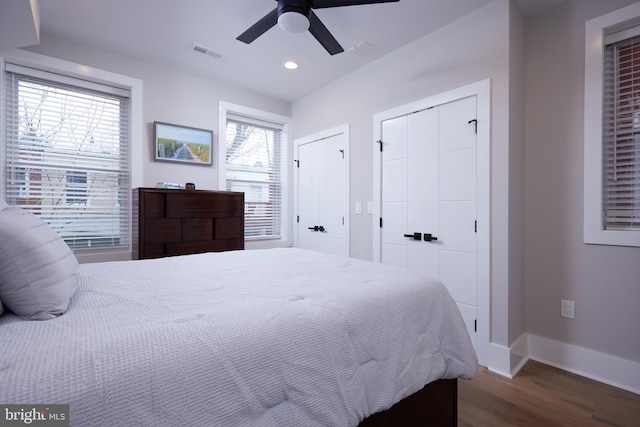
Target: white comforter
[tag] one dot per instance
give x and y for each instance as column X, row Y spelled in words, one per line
column 277, row 337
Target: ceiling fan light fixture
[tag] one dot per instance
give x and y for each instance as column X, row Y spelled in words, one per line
column 293, row 22
column 297, row 16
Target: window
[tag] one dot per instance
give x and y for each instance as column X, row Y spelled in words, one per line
column 612, row 128
column 253, row 151
column 621, row 145
column 253, row 166
column 66, row 147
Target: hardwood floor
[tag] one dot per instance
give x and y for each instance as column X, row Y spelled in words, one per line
column 541, row 395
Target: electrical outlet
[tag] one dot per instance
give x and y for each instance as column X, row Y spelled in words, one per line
column 568, row 309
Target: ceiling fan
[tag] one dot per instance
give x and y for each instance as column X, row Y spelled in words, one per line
column 297, row 16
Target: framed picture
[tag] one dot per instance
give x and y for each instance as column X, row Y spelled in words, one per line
column 182, row 144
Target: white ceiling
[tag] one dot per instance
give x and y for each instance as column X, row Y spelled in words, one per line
column 164, row 31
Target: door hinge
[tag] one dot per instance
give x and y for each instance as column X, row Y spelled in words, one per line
column 380, row 222
column 475, row 325
column 475, row 226
column 297, row 162
column 475, row 122
column 298, row 218
column 380, row 142
column 342, row 151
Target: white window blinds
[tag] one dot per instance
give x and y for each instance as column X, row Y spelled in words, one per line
column 67, row 155
column 621, row 148
column 253, row 166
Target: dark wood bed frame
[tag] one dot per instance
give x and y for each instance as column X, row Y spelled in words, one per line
column 435, row 405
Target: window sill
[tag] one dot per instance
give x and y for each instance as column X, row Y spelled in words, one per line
column 612, row 238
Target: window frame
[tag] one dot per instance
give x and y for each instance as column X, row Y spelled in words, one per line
column 595, row 31
column 227, row 109
column 77, row 71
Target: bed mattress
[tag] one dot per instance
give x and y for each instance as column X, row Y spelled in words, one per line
column 276, row 337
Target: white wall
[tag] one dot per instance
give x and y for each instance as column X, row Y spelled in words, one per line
column 604, row 281
column 471, row 49
column 516, row 173
column 19, row 24
column 169, row 96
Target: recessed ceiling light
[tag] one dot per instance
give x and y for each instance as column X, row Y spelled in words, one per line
column 290, row 65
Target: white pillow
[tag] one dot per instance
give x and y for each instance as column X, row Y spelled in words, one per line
column 38, row 271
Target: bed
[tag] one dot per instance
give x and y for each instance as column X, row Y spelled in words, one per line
column 273, row 337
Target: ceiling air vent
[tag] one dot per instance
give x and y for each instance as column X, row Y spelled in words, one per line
column 206, row 51
column 361, row 48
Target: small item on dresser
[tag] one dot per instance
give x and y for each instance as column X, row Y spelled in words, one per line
column 170, row 185
column 190, row 186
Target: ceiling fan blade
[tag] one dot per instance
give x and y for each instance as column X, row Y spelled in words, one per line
column 319, row 4
column 260, row 27
column 322, row 34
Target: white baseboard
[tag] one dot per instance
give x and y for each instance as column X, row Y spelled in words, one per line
column 499, row 357
column 519, row 354
column 508, row 361
column 621, row 373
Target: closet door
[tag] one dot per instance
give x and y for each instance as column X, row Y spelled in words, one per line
column 322, row 194
column 428, row 198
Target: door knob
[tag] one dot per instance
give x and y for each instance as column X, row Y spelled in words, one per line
column 321, row 228
column 428, row 237
column 414, row 236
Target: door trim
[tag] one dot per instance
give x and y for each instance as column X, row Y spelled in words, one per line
column 328, row 133
column 482, row 91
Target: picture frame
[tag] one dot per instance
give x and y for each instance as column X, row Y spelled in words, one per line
column 182, row 144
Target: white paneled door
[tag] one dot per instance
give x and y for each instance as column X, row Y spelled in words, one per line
column 428, row 200
column 322, row 192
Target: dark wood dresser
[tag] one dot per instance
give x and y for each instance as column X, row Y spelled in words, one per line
column 180, row 222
